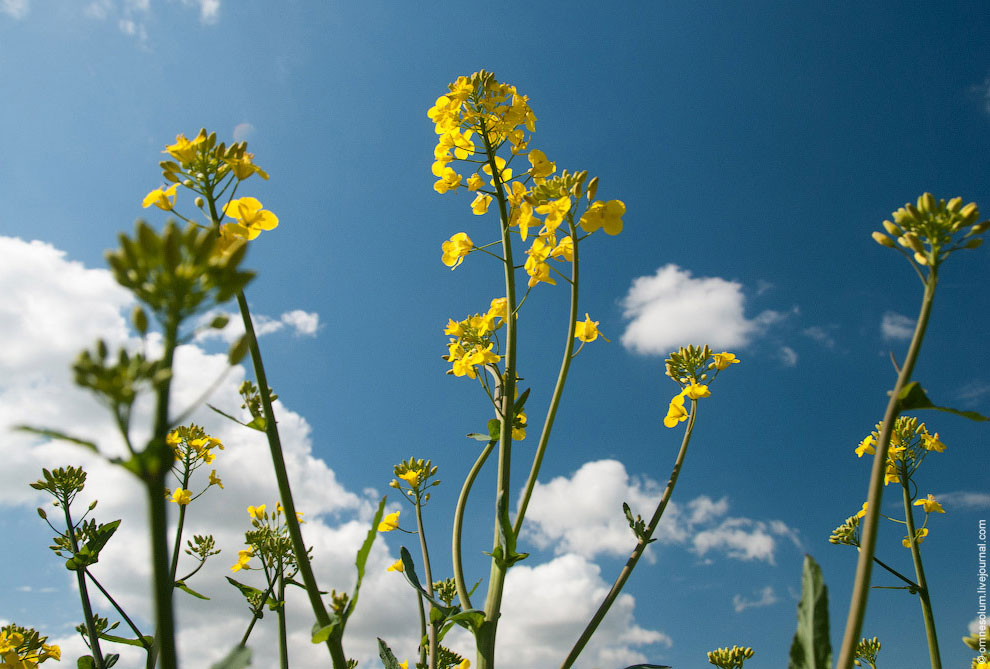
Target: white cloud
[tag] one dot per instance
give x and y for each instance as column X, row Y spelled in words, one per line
column 582, row 515
column 242, row 131
column 672, row 309
column 304, row 323
column 209, row 10
column 299, row 321
column 820, row 335
column 961, row 499
column 788, row 356
column 895, row 326
column 17, row 9
column 56, row 306
column 766, row 598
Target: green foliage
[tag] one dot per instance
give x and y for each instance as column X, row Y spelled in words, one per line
column 913, row 396
column 238, row 658
column 811, row 648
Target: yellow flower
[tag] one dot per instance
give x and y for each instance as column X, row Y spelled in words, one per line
column 723, row 360
column 891, row 475
column 697, row 391
column 605, row 215
column 555, row 211
column 389, row 522
column 182, row 497
column 214, row 479
column 932, row 443
column 410, row 477
column 919, row 536
column 480, row 204
column 184, row 150
column 504, row 172
column 862, row 512
column 257, row 512
column 523, row 217
column 396, row 566
column 930, row 505
column 243, row 557
column 865, row 446
column 51, row 651
column 449, row 181
column 455, row 248
column 475, row 182
column 542, row 168
column 587, row 330
column 251, row 218
column 244, row 168
column 564, row 250
column 675, row 412
column 163, row 199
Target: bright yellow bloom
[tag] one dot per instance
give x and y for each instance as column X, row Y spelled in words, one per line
column 475, row 182
column 182, row 497
column 516, row 194
column 163, row 199
column 555, row 211
column 257, row 512
column 449, row 181
column 587, row 330
column 185, row 150
column 542, row 168
column 9, row 641
column 466, row 664
column 919, row 536
column 389, row 522
column 455, row 248
column 605, row 215
column 930, row 505
column 564, row 250
column 932, row 443
column 243, row 557
column 214, row 479
column 865, row 446
column 480, row 204
column 410, row 477
column 504, row 172
column 251, row 218
column 676, row 412
column 862, row 512
column 891, row 475
column 244, row 168
column 723, row 360
column 396, row 566
column 51, row 651
column 536, row 264
column 697, row 391
column 523, row 217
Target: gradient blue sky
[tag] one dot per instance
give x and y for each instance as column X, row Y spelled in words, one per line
column 755, row 146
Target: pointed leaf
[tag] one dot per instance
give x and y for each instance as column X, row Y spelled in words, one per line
column 86, row 662
column 111, row 659
column 362, row 557
column 388, row 659
column 649, row 666
column 257, row 423
column 811, row 648
column 55, row 434
column 181, row 585
column 226, row 415
column 913, row 396
column 130, row 642
column 238, row 658
column 494, row 429
column 321, row 634
column 477, row 436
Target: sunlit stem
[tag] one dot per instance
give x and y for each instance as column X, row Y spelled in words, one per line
column 422, row 628
column 640, row 548
column 558, row 389
column 496, row 582
column 919, row 570
column 94, row 637
column 283, row 638
column 462, row 591
column 177, row 544
column 868, row 541
column 432, row 629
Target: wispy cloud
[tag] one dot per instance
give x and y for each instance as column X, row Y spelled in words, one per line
column 766, row 598
column 962, row 499
column 242, row 131
column 672, row 308
column 820, row 335
column 896, row 326
column 17, row 9
column 971, row 392
column 787, row 356
column 982, row 93
column 302, row 323
column 133, row 17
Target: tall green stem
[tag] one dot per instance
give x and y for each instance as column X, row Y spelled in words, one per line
column 868, row 542
column 432, row 630
column 177, row 544
column 640, row 546
column 455, row 549
column 94, row 637
column 283, row 639
column 919, row 570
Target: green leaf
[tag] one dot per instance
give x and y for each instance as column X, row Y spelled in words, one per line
column 362, row 557
column 409, row 571
column 130, row 642
column 86, row 662
column 385, row 653
column 477, row 436
column 250, row 592
column 55, row 434
column 517, row 406
column 238, row 658
column 913, row 396
column 90, row 553
column 181, row 585
column 321, row 634
column 811, row 648
column 111, row 659
column 226, row 415
column 494, row 429
column 257, row 423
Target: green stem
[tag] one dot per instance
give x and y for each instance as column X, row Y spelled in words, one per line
column 558, row 389
column 422, row 629
column 864, row 566
column 177, row 544
column 919, row 570
column 257, row 613
column 911, row 584
column 462, row 591
column 640, row 548
column 113, row 602
column 283, row 640
column 432, row 630
column 94, row 637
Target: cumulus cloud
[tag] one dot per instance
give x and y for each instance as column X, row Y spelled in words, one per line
column 209, row 10
column 301, row 323
column 17, row 9
column 51, row 308
column 582, row 515
column 242, row 131
column 896, row 326
column 787, row 356
column 672, row 308
column 962, row 499
column 766, row 598
column 820, row 335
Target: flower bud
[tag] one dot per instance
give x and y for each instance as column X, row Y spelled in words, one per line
column 220, row 322
column 921, row 259
column 187, row 183
column 973, row 243
column 892, row 229
column 911, row 239
column 926, row 203
column 41, row 512
column 199, row 202
column 592, row 188
column 954, row 204
column 883, row 240
column 140, row 320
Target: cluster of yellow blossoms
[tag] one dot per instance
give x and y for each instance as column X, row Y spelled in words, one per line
column 470, row 342
column 676, row 412
column 269, row 534
column 209, row 169
column 192, row 448
column 23, row 648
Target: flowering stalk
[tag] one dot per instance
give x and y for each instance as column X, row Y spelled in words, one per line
column 432, row 629
column 923, row 594
column 642, row 543
column 864, row 566
column 94, row 637
column 462, row 591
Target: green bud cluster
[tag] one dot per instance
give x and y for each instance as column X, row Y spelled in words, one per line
column 202, row 547
column 445, row 590
column 846, row 534
column 208, row 164
column 637, row 524
column 63, row 484
column 339, row 601
column 866, row 651
column 556, row 187
column 930, row 230
column 252, row 398
column 116, row 382
column 730, row 658
column 688, row 364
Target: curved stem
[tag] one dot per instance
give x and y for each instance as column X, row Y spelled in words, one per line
column 926, row 604
column 864, row 566
column 455, row 549
column 637, row 553
column 429, row 580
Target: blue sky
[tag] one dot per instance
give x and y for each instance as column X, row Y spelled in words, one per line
column 755, row 147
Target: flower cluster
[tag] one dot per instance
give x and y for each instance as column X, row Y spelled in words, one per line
column 866, row 651
column 210, row 170
column 689, row 367
column 192, row 448
column 730, row 658
column 910, row 442
column 269, row 542
column 470, row 342
column 929, row 231
column 24, row 648
column 414, row 474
